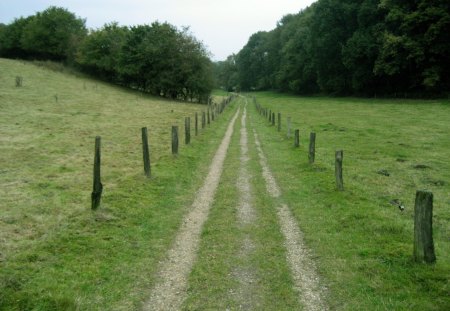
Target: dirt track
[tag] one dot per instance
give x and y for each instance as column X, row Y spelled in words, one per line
column 172, row 281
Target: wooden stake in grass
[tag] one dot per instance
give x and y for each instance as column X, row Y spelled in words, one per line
column 279, row 121
column 312, row 147
column 208, row 114
column 289, row 127
column 19, row 81
column 97, row 187
column 175, row 140
column 196, row 124
column 203, row 119
column 273, row 118
column 338, row 170
column 297, row 138
column 146, row 153
column 423, row 228
column 187, row 130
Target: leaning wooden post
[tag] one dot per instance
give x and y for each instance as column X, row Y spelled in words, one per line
column 312, row 147
column 97, row 187
column 273, row 118
column 297, row 138
column 187, row 130
column 146, row 153
column 175, row 140
column 423, row 227
column 338, row 170
column 289, row 127
column 196, row 124
column 279, row 121
column 203, row 119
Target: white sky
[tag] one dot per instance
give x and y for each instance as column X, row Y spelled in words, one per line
column 224, row 26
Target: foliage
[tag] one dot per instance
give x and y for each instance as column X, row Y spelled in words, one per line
column 366, row 47
column 226, row 74
column 157, row 58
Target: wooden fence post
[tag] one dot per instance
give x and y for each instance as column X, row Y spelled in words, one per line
column 196, row 124
column 97, row 187
column 187, row 130
column 289, row 127
column 423, row 227
column 146, row 153
column 279, row 121
column 297, row 138
column 208, row 115
column 174, row 139
column 312, row 147
column 203, row 119
column 338, row 170
column 273, row 118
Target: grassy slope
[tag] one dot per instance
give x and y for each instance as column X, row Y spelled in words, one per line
column 55, row 253
column 362, row 242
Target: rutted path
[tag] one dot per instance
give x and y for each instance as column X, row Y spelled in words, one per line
column 302, row 266
column 172, row 280
column 170, row 289
column 247, row 293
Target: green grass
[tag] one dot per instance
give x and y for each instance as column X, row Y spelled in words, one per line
column 363, row 244
column 56, row 254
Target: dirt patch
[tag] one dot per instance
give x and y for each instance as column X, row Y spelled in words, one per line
column 306, row 279
column 170, row 289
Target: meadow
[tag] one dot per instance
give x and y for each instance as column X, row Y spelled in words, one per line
column 56, row 254
column 363, row 242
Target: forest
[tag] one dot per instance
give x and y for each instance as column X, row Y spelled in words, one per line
column 369, row 48
column 158, row 58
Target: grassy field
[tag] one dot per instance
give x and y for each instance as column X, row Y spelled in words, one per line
column 55, row 253
column 363, row 243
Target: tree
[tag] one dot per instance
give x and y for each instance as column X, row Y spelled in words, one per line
column 100, row 51
column 415, row 52
column 10, row 38
column 53, row 34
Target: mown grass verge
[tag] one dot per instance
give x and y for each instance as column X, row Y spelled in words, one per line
column 56, row 254
column 362, row 243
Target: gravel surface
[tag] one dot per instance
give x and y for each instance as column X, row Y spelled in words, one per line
column 170, row 289
column 299, row 258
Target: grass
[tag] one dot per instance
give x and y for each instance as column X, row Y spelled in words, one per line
column 56, row 254
column 363, row 243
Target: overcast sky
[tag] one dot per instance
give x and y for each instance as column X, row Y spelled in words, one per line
column 224, row 26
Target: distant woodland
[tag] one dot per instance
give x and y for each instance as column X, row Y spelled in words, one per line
column 157, row 58
column 349, row 47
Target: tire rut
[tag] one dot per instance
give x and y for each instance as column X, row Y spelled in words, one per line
column 303, row 269
column 170, row 289
column 247, row 294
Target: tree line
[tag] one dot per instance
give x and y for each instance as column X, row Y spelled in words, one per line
column 349, row 47
column 157, row 58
